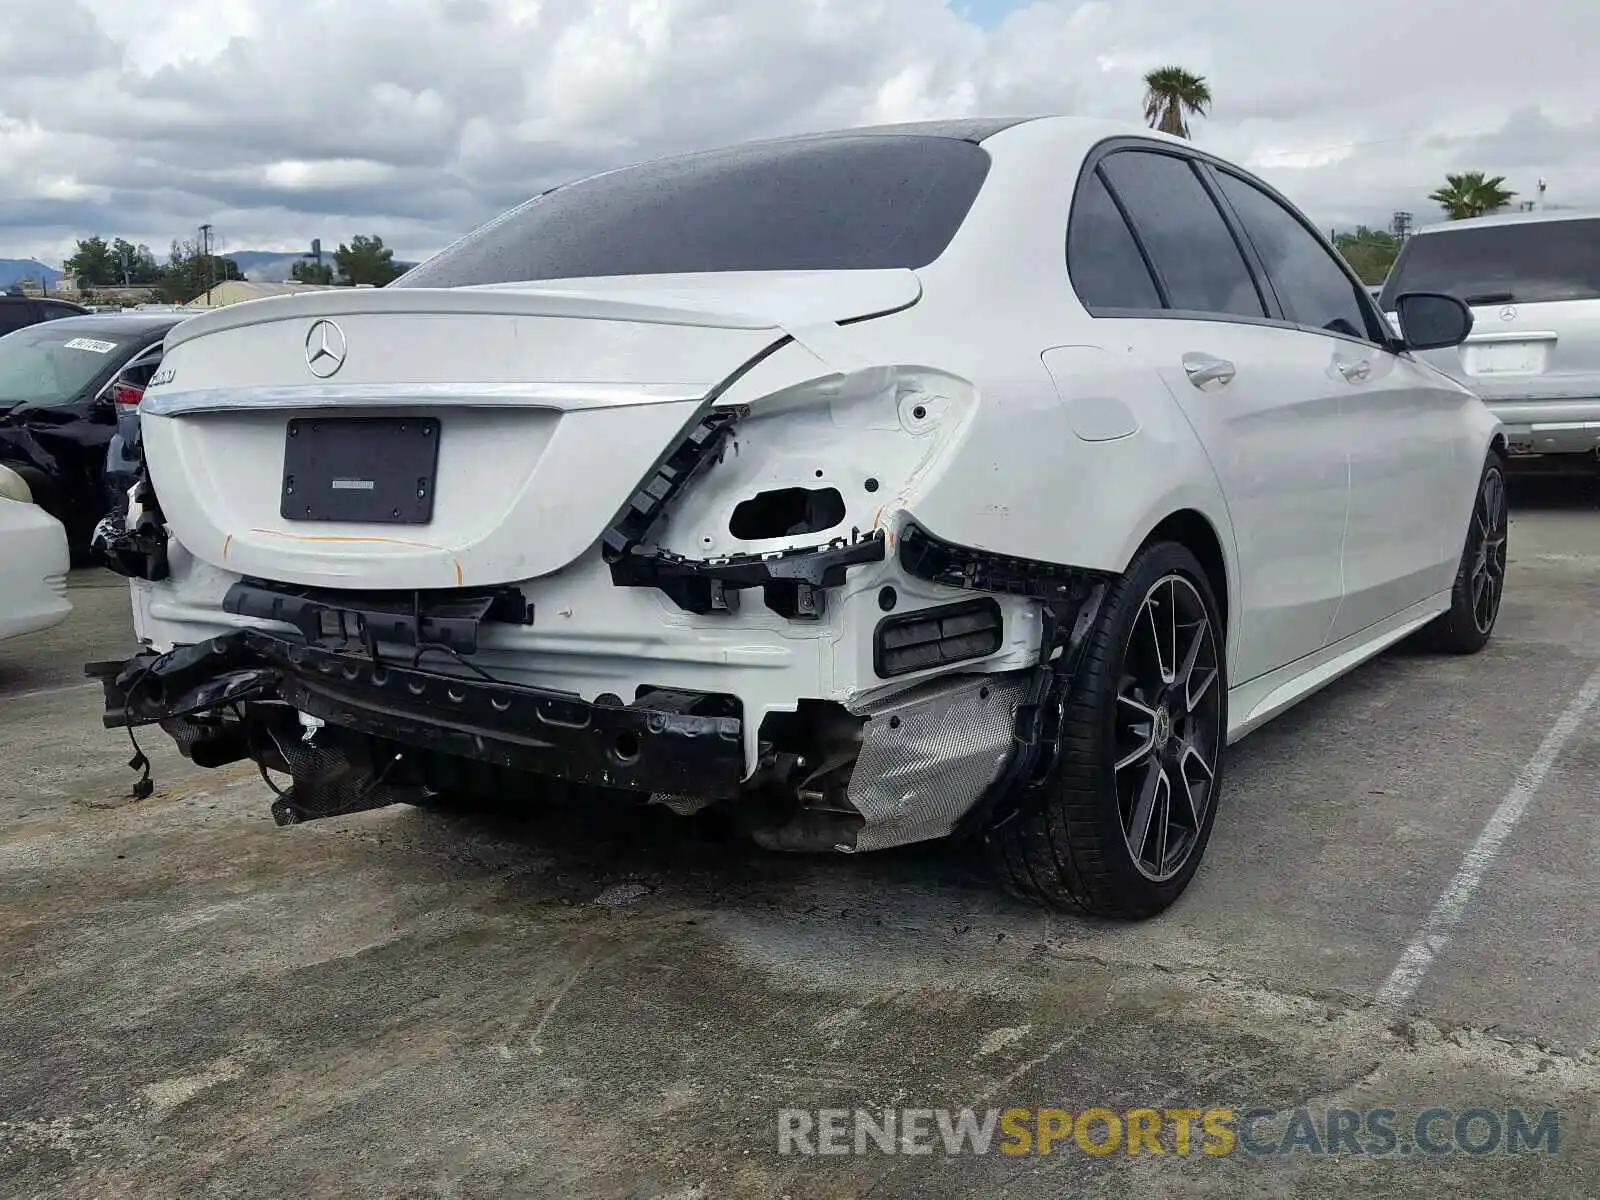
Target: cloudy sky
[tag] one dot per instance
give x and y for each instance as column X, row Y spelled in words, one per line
column 283, row 120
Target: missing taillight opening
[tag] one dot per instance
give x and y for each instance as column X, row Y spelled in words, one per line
column 787, row 512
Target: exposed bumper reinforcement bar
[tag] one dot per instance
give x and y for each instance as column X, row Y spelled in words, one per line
column 634, row 747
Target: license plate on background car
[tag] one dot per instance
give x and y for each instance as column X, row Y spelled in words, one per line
column 1504, row 358
column 363, row 470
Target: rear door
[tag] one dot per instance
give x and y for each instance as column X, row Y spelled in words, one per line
column 1534, row 286
column 1398, row 423
column 1271, row 424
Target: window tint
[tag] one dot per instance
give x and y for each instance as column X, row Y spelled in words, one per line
column 1313, row 289
column 1184, row 234
column 831, row 203
column 1103, row 259
column 51, row 310
column 1526, row 263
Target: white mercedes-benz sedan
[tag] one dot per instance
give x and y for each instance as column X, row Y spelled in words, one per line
column 982, row 478
column 33, row 550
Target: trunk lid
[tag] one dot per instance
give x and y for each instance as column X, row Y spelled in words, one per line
column 502, row 428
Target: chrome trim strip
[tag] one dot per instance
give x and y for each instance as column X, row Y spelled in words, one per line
column 560, row 397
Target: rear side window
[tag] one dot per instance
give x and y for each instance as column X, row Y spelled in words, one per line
column 1311, row 285
column 1103, row 260
column 832, row 203
column 141, row 370
column 1182, row 230
column 1523, row 263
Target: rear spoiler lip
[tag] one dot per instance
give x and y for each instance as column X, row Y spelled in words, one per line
column 889, row 290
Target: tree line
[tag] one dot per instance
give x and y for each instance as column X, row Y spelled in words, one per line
column 190, row 270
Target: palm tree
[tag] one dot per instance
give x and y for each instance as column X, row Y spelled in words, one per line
column 1171, row 96
column 1471, row 194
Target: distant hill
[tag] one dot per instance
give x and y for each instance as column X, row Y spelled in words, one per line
column 270, row 266
column 14, row 270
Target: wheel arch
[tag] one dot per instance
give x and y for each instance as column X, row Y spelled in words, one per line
column 1193, row 530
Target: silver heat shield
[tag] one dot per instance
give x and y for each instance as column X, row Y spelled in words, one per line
column 928, row 755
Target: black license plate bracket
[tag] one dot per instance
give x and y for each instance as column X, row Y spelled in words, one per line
column 360, row 470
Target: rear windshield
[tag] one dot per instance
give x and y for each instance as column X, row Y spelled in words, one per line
column 835, row 203
column 1501, row 264
column 53, row 362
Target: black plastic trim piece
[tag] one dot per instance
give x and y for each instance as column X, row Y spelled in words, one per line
column 936, row 637
column 939, row 561
column 701, row 445
column 416, row 618
column 792, row 581
column 1041, row 716
column 140, row 552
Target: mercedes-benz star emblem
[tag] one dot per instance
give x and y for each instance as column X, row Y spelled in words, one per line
column 325, row 348
column 1508, row 313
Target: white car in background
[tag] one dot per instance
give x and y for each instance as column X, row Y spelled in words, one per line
column 33, row 562
column 844, row 482
column 1533, row 283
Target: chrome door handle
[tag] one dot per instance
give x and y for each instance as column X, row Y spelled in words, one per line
column 1356, row 372
column 1202, row 369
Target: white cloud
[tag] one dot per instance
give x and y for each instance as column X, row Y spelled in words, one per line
column 283, row 120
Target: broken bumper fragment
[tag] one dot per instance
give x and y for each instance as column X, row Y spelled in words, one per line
column 262, row 688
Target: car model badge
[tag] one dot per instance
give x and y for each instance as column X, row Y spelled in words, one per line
column 1508, row 313
column 325, row 349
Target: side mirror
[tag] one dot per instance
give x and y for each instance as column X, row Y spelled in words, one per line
column 1432, row 320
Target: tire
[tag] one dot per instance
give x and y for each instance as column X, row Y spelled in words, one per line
column 1074, row 847
column 1481, row 576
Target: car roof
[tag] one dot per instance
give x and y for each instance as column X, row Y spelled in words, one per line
column 1537, row 217
column 127, row 323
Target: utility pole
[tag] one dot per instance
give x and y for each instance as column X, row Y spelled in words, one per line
column 205, row 257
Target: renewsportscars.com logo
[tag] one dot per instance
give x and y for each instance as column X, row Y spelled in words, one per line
column 1377, row 1132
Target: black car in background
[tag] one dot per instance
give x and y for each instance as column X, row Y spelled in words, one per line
column 59, row 396
column 18, row 311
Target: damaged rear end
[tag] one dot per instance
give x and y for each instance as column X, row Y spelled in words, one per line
column 654, row 536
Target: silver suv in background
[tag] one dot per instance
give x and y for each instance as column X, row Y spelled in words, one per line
column 1533, row 281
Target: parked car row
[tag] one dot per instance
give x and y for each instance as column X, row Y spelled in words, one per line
column 64, row 386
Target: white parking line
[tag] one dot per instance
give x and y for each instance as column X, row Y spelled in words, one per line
column 1434, row 935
